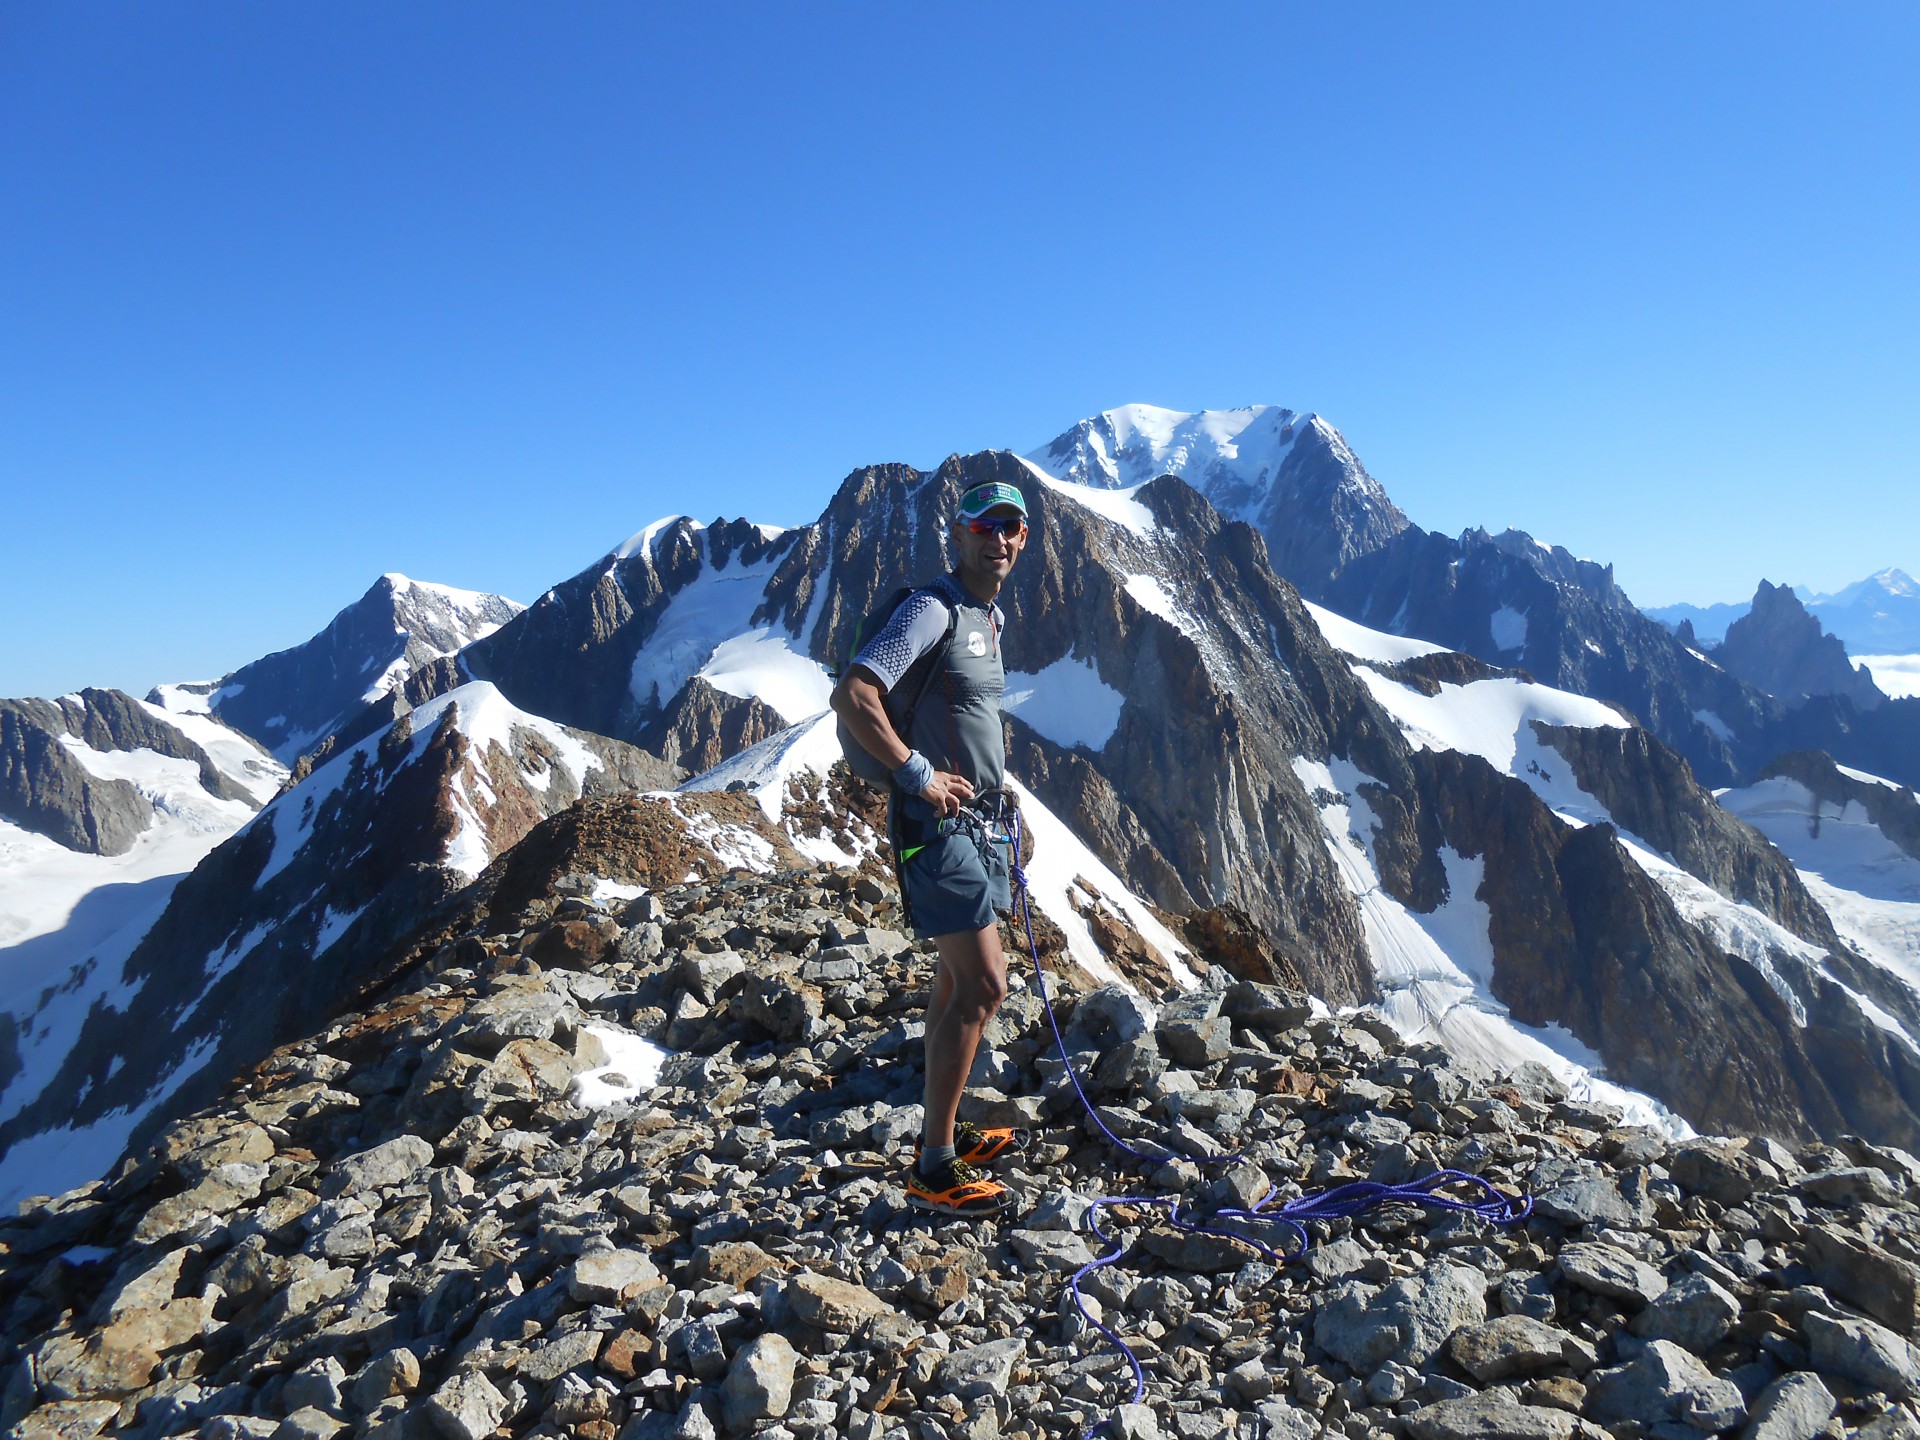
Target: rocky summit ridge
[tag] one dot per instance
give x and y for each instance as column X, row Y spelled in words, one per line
column 464, row 1210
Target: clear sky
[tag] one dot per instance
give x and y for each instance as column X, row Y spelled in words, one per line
column 291, row 295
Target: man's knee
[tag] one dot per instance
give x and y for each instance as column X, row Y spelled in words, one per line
column 982, row 994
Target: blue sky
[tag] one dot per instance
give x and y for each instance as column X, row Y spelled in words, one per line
column 293, row 295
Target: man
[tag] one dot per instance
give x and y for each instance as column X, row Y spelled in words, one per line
column 953, row 871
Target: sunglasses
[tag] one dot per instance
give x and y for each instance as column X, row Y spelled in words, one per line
column 1007, row 525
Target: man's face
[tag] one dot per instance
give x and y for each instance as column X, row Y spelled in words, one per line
column 991, row 555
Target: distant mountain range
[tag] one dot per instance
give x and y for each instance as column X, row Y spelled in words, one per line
column 1879, row 615
column 1259, row 719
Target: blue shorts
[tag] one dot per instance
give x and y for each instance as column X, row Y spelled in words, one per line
column 957, row 881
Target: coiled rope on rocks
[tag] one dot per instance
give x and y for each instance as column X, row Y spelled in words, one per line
column 1289, row 1217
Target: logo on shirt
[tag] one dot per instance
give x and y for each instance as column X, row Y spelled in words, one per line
column 976, row 643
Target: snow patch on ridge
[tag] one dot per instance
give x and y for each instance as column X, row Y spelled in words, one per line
column 707, row 626
column 633, row 1068
column 1059, row 858
column 1351, row 638
column 1067, row 702
column 1117, row 505
column 1508, row 627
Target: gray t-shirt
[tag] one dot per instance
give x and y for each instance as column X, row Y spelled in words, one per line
column 957, row 725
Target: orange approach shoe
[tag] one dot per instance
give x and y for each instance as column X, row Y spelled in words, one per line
column 977, row 1145
column 956, row 1188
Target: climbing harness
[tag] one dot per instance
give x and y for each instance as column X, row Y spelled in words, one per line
column 1290, row 1217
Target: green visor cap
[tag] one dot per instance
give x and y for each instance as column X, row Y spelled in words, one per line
column 982, row 498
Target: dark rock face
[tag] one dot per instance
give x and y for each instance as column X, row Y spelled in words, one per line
column 1192, row 800
column 1652, row 793
column 45, row 789
column 1584, row 938
column 1779, row 647
column 294, row 698
column 285, row 921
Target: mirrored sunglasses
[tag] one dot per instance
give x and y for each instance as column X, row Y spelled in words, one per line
column 998, row 525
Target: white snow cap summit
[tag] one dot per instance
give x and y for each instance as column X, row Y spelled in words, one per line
column 1120, row 448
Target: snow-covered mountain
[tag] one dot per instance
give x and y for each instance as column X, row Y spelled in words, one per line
column 1216, row 772
column 292, row 699
column 1877, row 615
column 1175, row 706
column 1292, row 477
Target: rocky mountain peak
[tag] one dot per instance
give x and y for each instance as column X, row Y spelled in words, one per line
column 1782, row 649
column 292, row 699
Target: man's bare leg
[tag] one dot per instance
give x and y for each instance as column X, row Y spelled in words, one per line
column 968, row 987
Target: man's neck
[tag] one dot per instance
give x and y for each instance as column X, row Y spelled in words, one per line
column 982, row 587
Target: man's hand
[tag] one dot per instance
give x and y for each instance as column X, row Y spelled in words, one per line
column 947, row 793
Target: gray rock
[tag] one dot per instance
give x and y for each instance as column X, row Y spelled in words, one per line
column 394, row 1163
column 1794, row 1407
column 1575, row 1194
column 690, row 1422
column 1862, row 1185
column 1196, row 1044
column 759, row 1384
column 1375, row 1132
column 309, row 1422
column 1509, row 1345
column 1408, row 1321
column 611, row 1277
column 981, row 1370
column 1135, row 1422
column 1060, row 1250
column 1861, row 1273
column 547, row 1363
column 315, row 1386
column 1335, row 1260
column 705, row 974
column 1266, row 1008
column 1608, row 1270
column 1495, row 1416
column 1664, row 1383
column 1721, row 1170
column 1062, row 1210
column 1522, row 1293
column 698, row 1350
column 467, row 1407
column 829, row 1304
column 1693, row 1312
column 513, row 1015
column 1108, row 1017
column 1284, row 1421
column 1862, row 1350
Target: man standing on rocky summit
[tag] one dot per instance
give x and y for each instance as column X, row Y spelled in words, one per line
column 954, row 869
